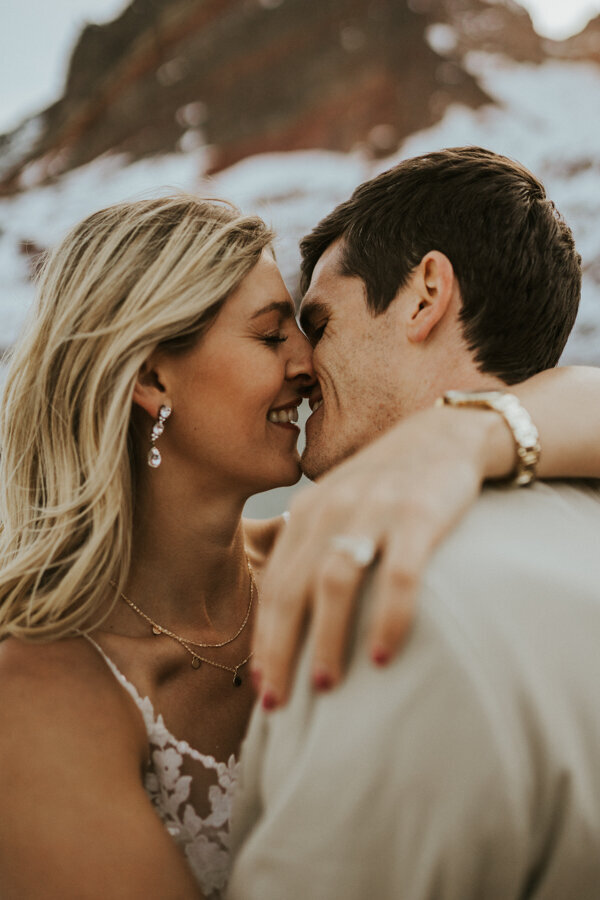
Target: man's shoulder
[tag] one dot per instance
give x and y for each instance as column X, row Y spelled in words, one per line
column 521, row 565
column 543, row 504
column 477, row 745
column 548, row 530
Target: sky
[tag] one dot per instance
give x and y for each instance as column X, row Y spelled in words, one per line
column 36, row 37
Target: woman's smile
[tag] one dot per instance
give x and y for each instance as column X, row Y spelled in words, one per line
column 285, row 416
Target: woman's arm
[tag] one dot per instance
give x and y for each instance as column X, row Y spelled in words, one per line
column 76, row 822
column 404, row 491
column 565, row 405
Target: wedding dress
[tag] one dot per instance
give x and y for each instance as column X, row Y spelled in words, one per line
column 172, row 767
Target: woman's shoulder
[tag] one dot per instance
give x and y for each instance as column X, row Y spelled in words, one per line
column 62, row 686
column 260, row 536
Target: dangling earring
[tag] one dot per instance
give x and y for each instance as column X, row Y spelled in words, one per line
column 154, row 457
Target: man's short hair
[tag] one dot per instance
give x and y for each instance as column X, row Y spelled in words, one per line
column 513, row 254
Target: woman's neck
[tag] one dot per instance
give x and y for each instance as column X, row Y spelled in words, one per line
column 189, row 566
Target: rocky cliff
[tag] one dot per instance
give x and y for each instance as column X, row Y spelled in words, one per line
column 240, row 77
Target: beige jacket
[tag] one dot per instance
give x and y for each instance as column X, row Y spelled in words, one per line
column 470, row 768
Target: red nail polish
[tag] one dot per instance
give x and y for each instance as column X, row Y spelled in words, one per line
column 380, row 656
column 269, row 701
column 322, row 681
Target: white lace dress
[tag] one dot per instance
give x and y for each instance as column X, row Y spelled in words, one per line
column 204, row 840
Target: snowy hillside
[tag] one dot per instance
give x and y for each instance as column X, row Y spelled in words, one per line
column 546, row 116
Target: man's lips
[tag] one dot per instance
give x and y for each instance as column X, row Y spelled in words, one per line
column 315, row 400
column 316, row 403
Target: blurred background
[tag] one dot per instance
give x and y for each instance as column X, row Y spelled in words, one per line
column 284, row 106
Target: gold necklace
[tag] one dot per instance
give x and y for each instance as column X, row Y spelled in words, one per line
column 185, row 642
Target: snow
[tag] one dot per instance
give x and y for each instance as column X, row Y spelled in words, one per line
column 441, row 38
column 19, row 144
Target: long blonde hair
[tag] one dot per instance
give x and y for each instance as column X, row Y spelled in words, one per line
column 125, row 280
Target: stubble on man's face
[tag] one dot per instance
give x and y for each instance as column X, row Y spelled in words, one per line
column 354, row 363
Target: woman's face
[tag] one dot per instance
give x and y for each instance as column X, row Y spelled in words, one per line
column 235, row 394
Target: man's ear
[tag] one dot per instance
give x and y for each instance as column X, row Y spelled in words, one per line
column 149, row 393
column 433, row 284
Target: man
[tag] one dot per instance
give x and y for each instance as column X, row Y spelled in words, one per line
column 470, row 768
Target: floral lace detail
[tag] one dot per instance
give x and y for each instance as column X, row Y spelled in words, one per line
column 204, row 841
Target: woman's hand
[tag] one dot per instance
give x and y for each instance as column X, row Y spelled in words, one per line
column 403, row 493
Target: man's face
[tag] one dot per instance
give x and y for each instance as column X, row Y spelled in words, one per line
column 358, row 362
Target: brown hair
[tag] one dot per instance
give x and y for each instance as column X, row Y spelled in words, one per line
column 513, row 255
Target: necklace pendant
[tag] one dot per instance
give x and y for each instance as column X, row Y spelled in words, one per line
column 237, row 679
column 195, row 663
column 156, row 629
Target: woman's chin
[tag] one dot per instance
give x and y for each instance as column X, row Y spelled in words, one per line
column 287, row 475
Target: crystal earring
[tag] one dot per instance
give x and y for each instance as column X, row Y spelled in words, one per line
column 154, row 457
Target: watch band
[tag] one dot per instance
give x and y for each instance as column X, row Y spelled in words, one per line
column 524, row 432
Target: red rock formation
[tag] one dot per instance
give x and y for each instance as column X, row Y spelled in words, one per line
column 249, row 76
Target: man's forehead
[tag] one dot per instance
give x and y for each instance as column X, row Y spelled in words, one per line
column 330, row 263
column 326, row 273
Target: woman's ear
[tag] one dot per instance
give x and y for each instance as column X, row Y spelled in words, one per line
column 433, row 282
column 149, row 393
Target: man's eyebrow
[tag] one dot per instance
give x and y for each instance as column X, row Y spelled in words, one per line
column 311, row 310
column 285, row 307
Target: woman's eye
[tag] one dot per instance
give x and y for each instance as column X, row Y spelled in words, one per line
column 275, row 338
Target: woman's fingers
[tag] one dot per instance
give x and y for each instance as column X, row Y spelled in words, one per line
column 281, row 616
column 396, row 589
column 336, row 585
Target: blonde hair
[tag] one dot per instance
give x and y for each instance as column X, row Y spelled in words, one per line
column 125, row 280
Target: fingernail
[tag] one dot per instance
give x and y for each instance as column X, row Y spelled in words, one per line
column 322, row 680
column 380, row 656
column 269, row 701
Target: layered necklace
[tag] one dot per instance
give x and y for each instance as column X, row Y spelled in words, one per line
column 188, row 644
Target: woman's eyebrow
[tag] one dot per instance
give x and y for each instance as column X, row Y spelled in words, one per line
column 285, row 307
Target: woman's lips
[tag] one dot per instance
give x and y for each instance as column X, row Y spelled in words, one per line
column 285, row 417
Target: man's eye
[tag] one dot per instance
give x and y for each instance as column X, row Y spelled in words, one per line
column 315, row 333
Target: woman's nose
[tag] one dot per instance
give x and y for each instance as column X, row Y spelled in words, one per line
column 300, row 362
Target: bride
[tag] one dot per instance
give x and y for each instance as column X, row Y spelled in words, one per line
column 155, row 388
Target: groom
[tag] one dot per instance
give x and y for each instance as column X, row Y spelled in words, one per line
column 468, row 770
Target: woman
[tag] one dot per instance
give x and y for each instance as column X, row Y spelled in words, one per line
column 154, row 390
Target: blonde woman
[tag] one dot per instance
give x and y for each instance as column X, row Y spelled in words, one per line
column 153, row 391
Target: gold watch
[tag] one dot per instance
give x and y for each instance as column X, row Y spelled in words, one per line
column 524, row 432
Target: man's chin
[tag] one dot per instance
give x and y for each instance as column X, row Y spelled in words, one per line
column 312, row 463
column 315, row 461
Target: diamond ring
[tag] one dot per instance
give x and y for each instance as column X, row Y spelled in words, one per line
column 360, row 548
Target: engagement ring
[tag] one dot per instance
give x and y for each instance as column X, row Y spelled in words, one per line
column 360, row 548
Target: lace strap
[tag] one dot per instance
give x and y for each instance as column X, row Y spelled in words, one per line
column 154, row 723
column 129, row 687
